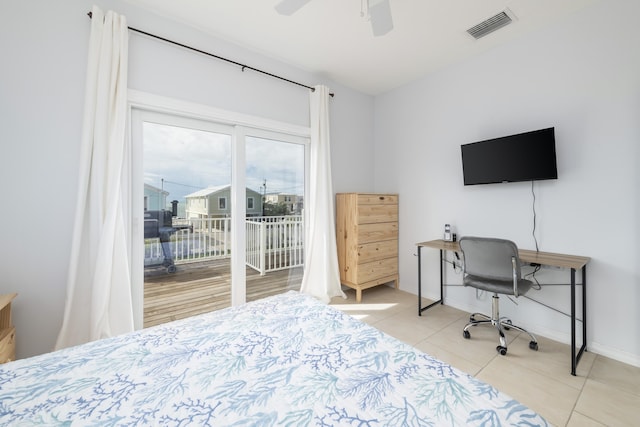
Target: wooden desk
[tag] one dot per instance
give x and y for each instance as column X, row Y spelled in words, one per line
column 571, row 262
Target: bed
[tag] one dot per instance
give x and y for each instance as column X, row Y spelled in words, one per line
column 286, row 360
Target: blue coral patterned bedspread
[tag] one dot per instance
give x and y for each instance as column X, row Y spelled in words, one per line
column 286, row 360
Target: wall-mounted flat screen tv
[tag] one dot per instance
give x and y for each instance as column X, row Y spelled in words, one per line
column 526, row 156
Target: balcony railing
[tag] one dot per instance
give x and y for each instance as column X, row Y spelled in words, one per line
column 273, row 243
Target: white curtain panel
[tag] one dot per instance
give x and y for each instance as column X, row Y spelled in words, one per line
column 98, row 302
column 321, row 277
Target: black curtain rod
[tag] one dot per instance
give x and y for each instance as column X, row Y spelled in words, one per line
column 242, row 66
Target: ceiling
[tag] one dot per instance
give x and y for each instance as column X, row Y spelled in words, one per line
column 332, row 40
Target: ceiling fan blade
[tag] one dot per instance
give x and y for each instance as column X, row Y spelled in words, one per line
column 381, row 20
column 289, row 7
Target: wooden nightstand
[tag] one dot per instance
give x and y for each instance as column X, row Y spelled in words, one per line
column 7, row 331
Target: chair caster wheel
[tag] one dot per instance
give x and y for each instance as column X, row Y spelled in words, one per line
column 502, row 350
column 466, row 334
column 472, row 318
column 533, row 345
column 506, row 328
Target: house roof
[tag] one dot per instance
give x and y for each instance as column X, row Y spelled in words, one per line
column 154, row 189
column 212, row 190
column 208, row 191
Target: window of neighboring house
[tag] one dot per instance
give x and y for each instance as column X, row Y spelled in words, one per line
column 250, row 203
column 222, row 203
column 146, row 203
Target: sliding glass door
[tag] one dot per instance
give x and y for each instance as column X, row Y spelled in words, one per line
column 218, row 214
column 186, row 171
column 275, row 168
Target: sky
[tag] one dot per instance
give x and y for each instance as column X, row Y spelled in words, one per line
column 182, row 160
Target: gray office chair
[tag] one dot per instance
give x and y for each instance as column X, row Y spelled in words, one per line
column 493, row 265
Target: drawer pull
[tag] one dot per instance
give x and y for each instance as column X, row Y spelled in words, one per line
column 381, row 197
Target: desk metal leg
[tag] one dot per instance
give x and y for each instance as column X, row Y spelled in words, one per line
column 584, row 311
column 441, row 276
column 441, row 300
column 573, row 322
column 419, row 281
column 575, row 358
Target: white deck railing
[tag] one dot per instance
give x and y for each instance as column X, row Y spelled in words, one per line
column 273, row 243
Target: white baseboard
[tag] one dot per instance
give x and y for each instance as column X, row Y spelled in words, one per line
column 613, row 353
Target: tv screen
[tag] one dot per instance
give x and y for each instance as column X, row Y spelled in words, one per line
column 523, row 157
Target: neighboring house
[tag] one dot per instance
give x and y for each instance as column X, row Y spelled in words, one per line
column 215, row 202
column 155, row 199
column 294, row 202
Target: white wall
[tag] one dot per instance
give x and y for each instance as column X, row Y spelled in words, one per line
column 582, row 76
column 44, row 54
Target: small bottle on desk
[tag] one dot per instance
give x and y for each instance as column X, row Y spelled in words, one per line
column 447, row 233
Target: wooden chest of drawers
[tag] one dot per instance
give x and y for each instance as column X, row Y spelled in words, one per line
column 7, row 331
column 367, row 239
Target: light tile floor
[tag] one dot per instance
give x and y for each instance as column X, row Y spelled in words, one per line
column 604, row 392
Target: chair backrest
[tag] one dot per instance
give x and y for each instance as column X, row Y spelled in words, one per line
column 490, row 258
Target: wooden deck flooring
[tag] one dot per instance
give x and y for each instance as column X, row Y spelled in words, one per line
column 200, row 288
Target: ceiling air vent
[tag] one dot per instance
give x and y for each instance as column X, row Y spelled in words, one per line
column 490, row 25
